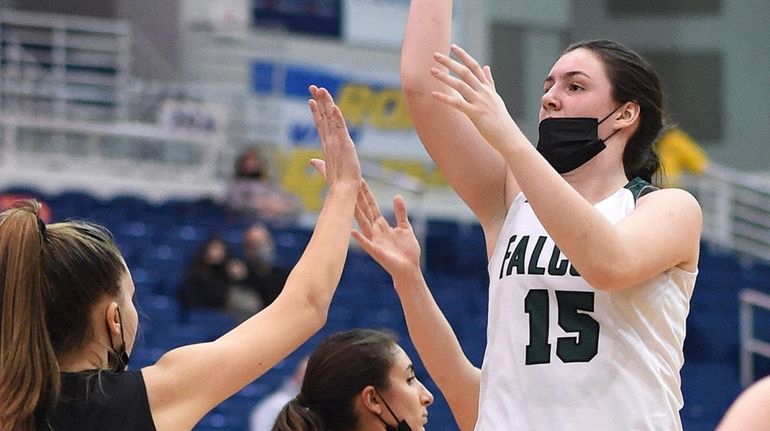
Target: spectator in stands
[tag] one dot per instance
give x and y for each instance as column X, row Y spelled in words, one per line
column 210, row 277
column 358, row 380
column 253, row 195
column 266, row 278
column 264, row 414
column 750, row 411
column 68, row 320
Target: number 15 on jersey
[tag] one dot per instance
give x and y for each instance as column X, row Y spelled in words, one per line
column 582, row 347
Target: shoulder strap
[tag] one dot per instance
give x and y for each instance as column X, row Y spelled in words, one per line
column 639, row 188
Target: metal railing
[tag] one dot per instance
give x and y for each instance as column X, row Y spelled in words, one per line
column 750, row 344
column 736, row 210
column 147, row 159
column 63, row 66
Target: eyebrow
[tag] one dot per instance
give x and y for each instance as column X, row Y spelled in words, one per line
column 409, row 367
column 570, row 74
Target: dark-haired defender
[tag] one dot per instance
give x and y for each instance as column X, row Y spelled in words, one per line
column 358, row 380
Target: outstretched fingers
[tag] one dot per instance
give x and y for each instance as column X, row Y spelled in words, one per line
column 337, row 146
column 363, row 216
column 470, row 63
column 319, row 166
column 488, row 74
column 371, row 202
column 399, row 209
column 365, row 243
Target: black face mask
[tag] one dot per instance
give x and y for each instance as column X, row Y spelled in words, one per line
column 118, row 358
column 568, row 143
column 254, row 175
column 400, row 426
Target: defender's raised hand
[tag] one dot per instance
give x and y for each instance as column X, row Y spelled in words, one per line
column 395, row 248
column 341, row 160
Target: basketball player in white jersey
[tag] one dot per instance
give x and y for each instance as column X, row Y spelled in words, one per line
column 591, row 267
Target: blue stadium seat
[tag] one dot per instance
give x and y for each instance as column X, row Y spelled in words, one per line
column 73, row 204
column 708, row 389
column 21, row 189
column 441, row 244
column 130, row 206
column 757, row 277
column 471, row 256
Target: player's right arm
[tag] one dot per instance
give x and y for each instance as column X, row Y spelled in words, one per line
column 476, row 172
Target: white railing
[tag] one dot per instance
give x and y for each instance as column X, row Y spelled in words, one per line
column 63, row 66
column 147, row 159
column 750, row 344
column 736, row 210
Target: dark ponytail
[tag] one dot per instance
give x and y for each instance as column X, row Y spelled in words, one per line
column 633, row 79
column 28, row 366
column 296, row 416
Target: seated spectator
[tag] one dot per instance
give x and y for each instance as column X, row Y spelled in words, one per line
column 254, row 196
column 266, row 278
column 266, row 411
column 210, row 276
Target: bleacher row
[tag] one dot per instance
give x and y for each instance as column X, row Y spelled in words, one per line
column 159, row 239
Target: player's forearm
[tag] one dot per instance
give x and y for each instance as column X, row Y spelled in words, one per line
column 428, row 29
column 439, row 349
column 429, row 330
column 319, row 269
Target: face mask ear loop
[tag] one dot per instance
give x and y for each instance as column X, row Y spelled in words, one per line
column 606, row 117
column 401, row 425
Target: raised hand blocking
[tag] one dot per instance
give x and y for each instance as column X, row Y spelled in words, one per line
column 395, row 248
column 341, row 161
column 474, row 95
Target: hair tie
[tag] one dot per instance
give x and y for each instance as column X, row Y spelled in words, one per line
column 41, row 227
column 302, row 401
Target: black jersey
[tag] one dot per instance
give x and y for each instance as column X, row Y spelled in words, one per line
column 99, row 400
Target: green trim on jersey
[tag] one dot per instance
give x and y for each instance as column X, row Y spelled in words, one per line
column 640, row 187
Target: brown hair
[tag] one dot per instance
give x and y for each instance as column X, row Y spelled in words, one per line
column 338, row 370
column 633, row 79
column 50, row 276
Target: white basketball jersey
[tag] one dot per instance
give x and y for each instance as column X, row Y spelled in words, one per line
column 562, row 355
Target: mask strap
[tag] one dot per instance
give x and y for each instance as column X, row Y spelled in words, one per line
column 122, row 355
column 401, row 424
column 608, row 115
